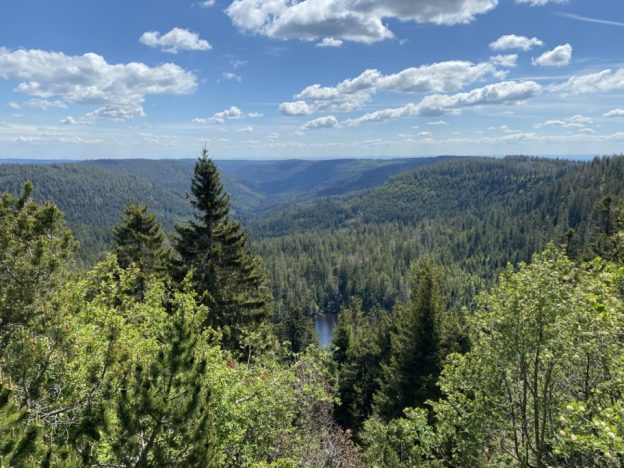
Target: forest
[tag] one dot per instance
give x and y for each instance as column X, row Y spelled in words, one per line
column 479, row 305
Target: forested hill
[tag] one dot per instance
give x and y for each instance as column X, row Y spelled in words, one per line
column 93, row 193
column 92, row 198
column 474, row 215
column 257, row 186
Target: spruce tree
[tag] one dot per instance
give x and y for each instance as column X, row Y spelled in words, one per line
column 297, row 329
column 138, row 240
column 409, row 378
column 214, row 248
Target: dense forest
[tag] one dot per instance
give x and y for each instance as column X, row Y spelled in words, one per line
column 479, row 307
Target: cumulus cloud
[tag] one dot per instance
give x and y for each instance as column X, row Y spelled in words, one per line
column 614, row 113
column 353, row 20
column 506, row 92
column 328, row 121
column 329, row 42
column 511, row 41
column 353, row 93
column 437, row 123
column 233, row 113
column 507, row 61
column 560, row 56
column 175, row 40
column 118, row 90
column 69, row 120
column 14, row 105
column 600, row 82
column 228, row 114
column 295, row 108
column 246, row 129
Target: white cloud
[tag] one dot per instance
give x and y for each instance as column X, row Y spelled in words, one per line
column 588, row 19
column 541, row 2
column 231, row 76
column 69, row 120
column 353, row 93
column 506, row 92
column 14, row 105
column 600, row 82
column 228, row 114
column 560, row 56
column 353, row 20
column 438, row 122
column 328, row 121
column 118, row 90
column 615, row 113
column 175, row 40
column 576, row 121
column 44, row 104
column 246, row 129
column 511, row 41
column 295, row 108
column 329, row 42
column 507, row 61
column 425, row 134
column 207, row 3
column 233, row 113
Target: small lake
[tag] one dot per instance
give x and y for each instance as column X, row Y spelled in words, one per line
column 324, row 326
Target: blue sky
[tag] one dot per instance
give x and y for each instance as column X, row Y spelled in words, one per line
column 311, row 78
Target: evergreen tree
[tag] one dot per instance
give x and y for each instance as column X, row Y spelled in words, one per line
column 214, row 247
column 20, row 442
column 35, row 245
column 409, row 378
column 297, row 329
column 138, row 240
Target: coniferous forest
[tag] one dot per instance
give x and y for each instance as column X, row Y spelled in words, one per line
column 161, row 313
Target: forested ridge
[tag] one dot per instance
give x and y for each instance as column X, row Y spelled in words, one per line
column 473, row 215
column 479, row 310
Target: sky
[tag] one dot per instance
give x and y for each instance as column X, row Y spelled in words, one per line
column 310, row 78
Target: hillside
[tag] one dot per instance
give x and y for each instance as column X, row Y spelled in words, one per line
column 475, row 215
column 93, row 193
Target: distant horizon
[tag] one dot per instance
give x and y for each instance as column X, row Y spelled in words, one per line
column 51, row 160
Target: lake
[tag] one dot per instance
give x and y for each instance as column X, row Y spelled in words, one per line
column 324, row 326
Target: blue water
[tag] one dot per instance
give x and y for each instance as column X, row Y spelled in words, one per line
column 324, row 327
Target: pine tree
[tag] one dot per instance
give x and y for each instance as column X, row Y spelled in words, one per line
column 214, row 247
column 20, row 442
column 409, row 378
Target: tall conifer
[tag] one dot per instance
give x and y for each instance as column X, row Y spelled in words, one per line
column 214, row 247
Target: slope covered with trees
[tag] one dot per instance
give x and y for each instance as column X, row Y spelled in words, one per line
column 473, row 215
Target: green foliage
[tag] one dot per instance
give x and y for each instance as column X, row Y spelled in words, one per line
column 297, row 329
column 213, row 248
column 401, row 443
column 541, row 385
column 35, row 243
column 20, row 440
column 417, row 351
column 361, row 345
